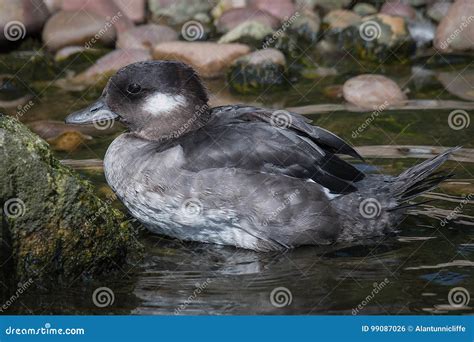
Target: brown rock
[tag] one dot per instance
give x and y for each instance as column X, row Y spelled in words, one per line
column 209, row 59
column 146, row 37
column 456, row 31
column 372, row 91
column 340, row 19
column 234, row 17
column 67, row 28
column 133, row 9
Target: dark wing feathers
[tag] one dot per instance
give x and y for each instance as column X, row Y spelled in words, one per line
column 244, row 137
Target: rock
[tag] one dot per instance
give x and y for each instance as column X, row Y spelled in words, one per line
column 326, row 5
column 225, row 5
column 282, row 9
column 67, row 28
column 337, row 20
column 456, row 30
column 363, row 9
column 234, row 17
column 398, row 8
column 110, row 64
column 133, row 9
column 372, row 91
column 209, row 59
column 57, row 228
column 21, row 17
column 107, row 9
column 67, row 52
column 53, row 5
column 438, row 10
column 250, row 32
column 305, row 25
column 178, row 12
column 258, row 71
column 379, row 38
column 422, row 31
column 146, row 37
column 458, row 84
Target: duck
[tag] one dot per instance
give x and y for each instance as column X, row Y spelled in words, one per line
column 238, row 175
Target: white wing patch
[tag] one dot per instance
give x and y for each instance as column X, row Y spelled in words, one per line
column 159, row 103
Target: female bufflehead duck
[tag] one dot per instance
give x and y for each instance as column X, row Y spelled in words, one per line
column 238, row 175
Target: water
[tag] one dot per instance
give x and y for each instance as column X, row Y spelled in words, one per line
column 411, row 272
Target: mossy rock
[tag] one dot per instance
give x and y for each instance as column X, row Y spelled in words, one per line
column 53, row 226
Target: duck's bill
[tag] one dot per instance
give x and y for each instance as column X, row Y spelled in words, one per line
column 96, row 112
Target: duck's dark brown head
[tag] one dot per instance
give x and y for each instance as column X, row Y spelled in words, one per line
column 156, row 100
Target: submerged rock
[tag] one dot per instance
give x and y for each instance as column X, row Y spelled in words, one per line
column 364, row 9
column 372, row 92
column 338, row 20
column 209, row 59
column 456, row 30
column 281, row 9
column 438, row 10
column 66, row 28
column 57, row 227
column 398, row 8
column 458, row 84
column 258, row 71
column 146, row 37
column 178, row 11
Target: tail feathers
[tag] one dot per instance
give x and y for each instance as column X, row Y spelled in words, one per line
column 421, row 178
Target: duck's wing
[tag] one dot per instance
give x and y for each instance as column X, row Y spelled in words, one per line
column 246, row 138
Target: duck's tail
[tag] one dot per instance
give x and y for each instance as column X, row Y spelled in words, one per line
column 420, row 178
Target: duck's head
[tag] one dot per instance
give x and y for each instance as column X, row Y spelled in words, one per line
column 155, row 100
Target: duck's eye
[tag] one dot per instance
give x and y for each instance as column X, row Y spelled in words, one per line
column 134, row 88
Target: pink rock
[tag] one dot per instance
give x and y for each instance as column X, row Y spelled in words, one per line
column 209, row 59
column 397, row 8
column 234, row 17
column 372, row 92
column 111, row 63
column 21, row 17
column 146, row 37
column 281, row 9
column 133, row 9
column 340, row 19
column 455, row 32
column 105, row 8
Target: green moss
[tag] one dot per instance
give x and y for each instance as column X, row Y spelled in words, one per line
column 65, row 230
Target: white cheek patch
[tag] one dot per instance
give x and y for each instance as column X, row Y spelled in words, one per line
column 159, row 103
